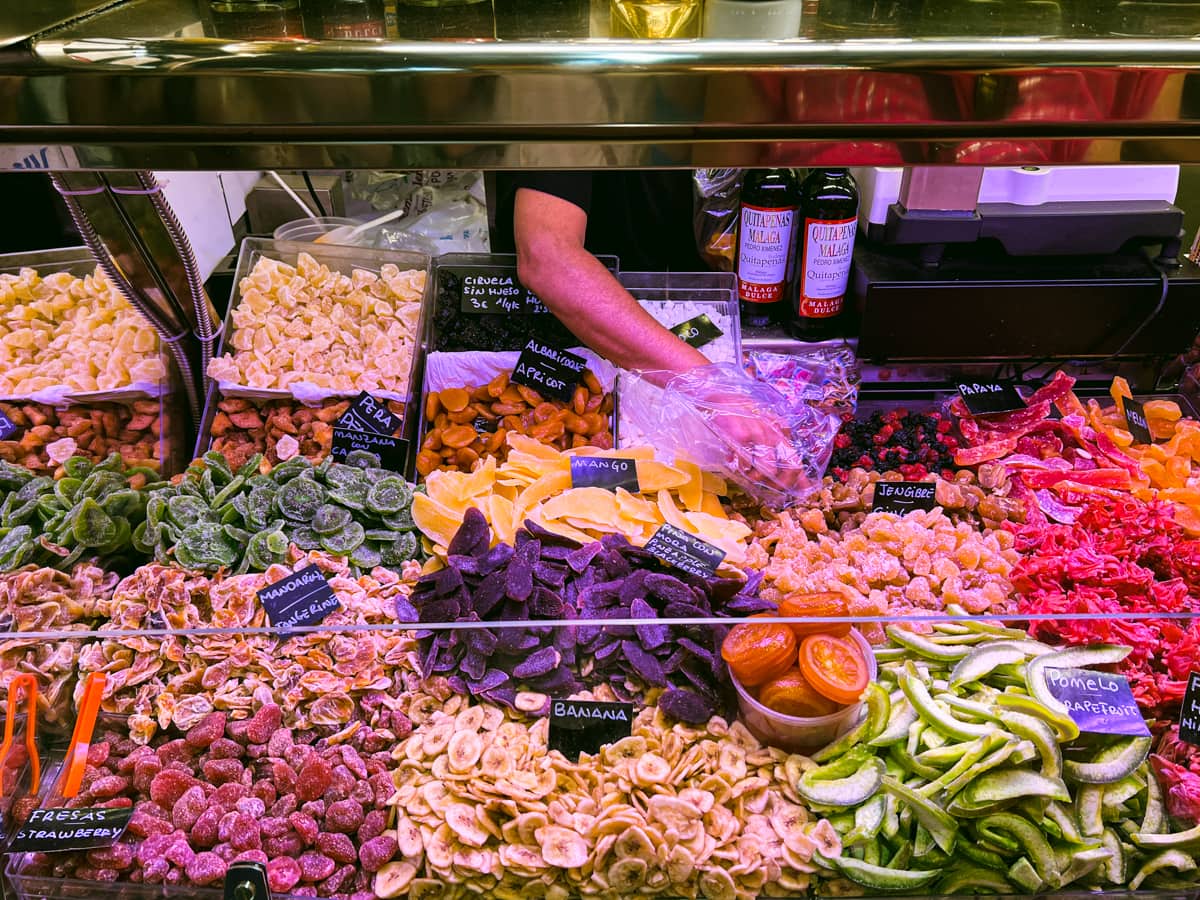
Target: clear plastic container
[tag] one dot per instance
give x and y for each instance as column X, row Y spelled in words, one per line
column 797, row 734
column 305, row 231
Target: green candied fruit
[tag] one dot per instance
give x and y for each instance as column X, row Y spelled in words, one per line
column 388, row 496
column 123, row 503
column 304, row 537
column 344, row 542
column 331, row 518
column 218, row 467
column 401, row 550
column 265, row 549
column 93, row 527
column 400, row 521
column 286, row 471
column 79, row 467
column 300, row 499
column 362, row 459
column 260, row 506
column 14, row 477
column 205, row 545
column 186, row 510
column 366, row 557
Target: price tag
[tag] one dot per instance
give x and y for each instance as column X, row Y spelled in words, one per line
column 608, row 472
column 584, row 726
column 1098, row 702
column 551, row 372
column 7, row 427
column 1189, row 713
column 368, row 414
column 303, row 598
column 697, row 331
column 53, row 830
column 987, row 398
column 495, row 290
column 1135, row 418
column 393, row 451
column 684, row 551
column 904, row 496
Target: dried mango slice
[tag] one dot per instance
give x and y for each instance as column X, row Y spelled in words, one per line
column 636, row 509
column 480, row 482
column 715, row 484
column 692, row 493
column 527, row 446
column 712, row 505
column 671, row 514
column 547, row 486
column 559, row 527
column 655, row 476
column 436, row 520
column 591, row 503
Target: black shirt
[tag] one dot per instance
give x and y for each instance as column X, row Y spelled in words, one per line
column 642, row 217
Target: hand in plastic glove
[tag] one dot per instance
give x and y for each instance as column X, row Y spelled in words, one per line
column 761, row 444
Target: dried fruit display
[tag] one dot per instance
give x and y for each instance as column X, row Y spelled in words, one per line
column 61, row 331
column 90, row 514
column 967, row 775
column 673, row 810
column 326, row 679
column 307, row 324
column 468, row 423
column 1118, row 556
column 889, row 565
column 213, row 518
column 534, row 484
column 40, row 600
column 313, row 811
column 548, row 577
column 277, row 429
column 49, row 435
column 911, row 443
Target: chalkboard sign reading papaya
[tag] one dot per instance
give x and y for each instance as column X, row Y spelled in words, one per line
column 987, row 398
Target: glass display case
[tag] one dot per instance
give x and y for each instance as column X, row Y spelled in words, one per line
column 420, row 620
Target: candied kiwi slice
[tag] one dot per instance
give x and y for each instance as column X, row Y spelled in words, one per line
column 286, row 471
column 401, row 550
column 388, row 496
column 400, row 521
column 304, row 537
column 92, row 527
column 366, row 556
column 205, row 545
column 76, row 467
column 185, row 510
column 300, row 498
column 331, row 518
column 344, row 542
column 362, row 459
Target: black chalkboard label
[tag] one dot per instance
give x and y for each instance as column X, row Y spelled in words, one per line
column 987, row 398
column 1135, row 418
column 392, row 451
column 52, row 830
column 608, row 472
column 1189, row 713
column 904, row 496
column 303, row 598
column 684, row 551
column 1098, row 702
column 550, row 372
column 7, row 427
column 697, row 331
column 495, row 290
column 584, row 726
column 368, row 414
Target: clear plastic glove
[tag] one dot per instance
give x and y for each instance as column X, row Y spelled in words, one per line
column 776, row 450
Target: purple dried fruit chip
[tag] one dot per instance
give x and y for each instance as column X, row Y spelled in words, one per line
column 538, row 663
column 685, row 706
column 644, row 664
column 473, row 535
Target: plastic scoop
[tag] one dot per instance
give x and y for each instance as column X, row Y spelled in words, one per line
column 347, row 233
column 81, row 737
column 28, row 682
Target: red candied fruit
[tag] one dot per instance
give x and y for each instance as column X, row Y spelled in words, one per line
column 314, row 778
column 283, row 874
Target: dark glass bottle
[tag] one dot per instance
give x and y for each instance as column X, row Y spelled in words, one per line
column 256, row 20
column 767, row 219
column 825, row 245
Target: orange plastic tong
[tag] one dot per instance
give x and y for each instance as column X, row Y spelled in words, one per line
column 81, row 737
column 29, row 682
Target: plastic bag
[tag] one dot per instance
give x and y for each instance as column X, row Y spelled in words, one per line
column 441, row 211
column 715, row 217
column 773, row 448
column 826, row 377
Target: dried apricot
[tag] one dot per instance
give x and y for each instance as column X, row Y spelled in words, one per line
column 497, row 385
column 433, row 405
column 458, row 436
column 455, row 399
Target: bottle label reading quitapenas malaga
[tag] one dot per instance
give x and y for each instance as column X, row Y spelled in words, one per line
column 766, row 242
column 825, row 269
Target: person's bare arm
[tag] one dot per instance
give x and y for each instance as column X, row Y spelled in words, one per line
column 552, row 262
